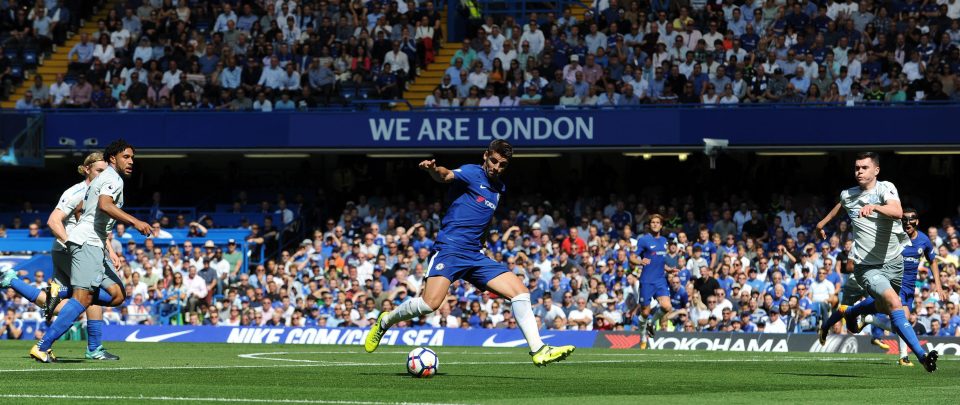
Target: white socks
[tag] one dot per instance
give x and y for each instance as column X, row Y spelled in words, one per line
column 408, row 310
column 523, row 311
column 882, row 322
column 657, row 315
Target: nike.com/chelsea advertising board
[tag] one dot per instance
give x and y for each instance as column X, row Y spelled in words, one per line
column 736, row 342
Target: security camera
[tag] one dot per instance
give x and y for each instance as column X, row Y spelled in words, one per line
column 90, row 142
column 67, row 141
column 712, row 147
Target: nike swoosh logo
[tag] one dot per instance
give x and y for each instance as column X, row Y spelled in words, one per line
column 482, row 187
column 134, row 337
column 491, row 341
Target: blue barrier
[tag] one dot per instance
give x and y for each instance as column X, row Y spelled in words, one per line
column 25, row 219
column 44, row 244
column 339, row 336
column 623, row 129
column 217, row 235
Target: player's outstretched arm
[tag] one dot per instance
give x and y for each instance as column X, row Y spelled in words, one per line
column 826, row 220
column 108, row 207
column 439, row 174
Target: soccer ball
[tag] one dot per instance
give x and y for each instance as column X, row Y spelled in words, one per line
column 422, row 362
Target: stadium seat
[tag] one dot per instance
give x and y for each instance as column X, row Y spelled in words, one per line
column 30, row 58
column 16, row 71
column 11, row 53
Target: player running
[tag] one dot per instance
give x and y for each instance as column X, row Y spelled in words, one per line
column 652, row 248
column 875, row 211
column 458, row 254
column 920, row 247
column 61, row 221
column 90, row 269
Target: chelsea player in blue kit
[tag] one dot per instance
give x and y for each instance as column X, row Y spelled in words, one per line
column 458, row 253
column 651, row 250
column 920, row 247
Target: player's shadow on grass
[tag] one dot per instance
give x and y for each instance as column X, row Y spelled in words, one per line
column 62, row 360
column 821, row 375
column 447, row 375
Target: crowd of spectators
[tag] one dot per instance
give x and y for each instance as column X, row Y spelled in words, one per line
column 34, row 27
column 710, row 53
column 732, row 266
column 258, row 55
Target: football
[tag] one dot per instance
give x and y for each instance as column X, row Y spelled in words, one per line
column 422, row 362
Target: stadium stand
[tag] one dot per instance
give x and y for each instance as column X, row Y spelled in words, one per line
column 740, row 261
column 263, row 264
column 269, row 56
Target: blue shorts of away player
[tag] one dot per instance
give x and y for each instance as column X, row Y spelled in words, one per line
column 908, row 292
column 653, row 289
column 474, row 267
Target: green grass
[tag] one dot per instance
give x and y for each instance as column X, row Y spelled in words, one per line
column 181, row 372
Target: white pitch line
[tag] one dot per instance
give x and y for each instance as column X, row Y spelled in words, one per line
column 207, row 399
column 671, row 359
column 661, row 358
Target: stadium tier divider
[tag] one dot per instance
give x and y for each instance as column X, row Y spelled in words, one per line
column 25, row 218
column 219, row 237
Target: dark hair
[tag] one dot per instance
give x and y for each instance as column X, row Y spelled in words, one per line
column 115, row 148
column 869, row 155
column 501, row 147
column 910, row 210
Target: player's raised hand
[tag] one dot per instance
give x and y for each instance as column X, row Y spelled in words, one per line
column 867, row 210
column 821, row 232
column 142, row 227
column 428, row 165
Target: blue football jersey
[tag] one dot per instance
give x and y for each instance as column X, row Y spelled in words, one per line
column 655, row 249
column 474, row 200
column 919, row 247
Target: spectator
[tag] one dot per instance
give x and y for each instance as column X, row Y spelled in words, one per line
column 84, row 51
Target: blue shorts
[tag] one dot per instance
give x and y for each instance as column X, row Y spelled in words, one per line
column 653, row 289
column 474, row 267
column 908, row 290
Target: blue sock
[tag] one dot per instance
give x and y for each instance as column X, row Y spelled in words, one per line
column 832, row 320
column 865, row 307
column 103, row 299
column 69, row 313
column 94, row 334
column 26, row 290
column 876, row 332
column 898, row 319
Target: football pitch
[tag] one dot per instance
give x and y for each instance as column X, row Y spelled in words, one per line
column 296, row 374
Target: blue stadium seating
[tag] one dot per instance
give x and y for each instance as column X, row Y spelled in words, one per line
column 30, row 58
